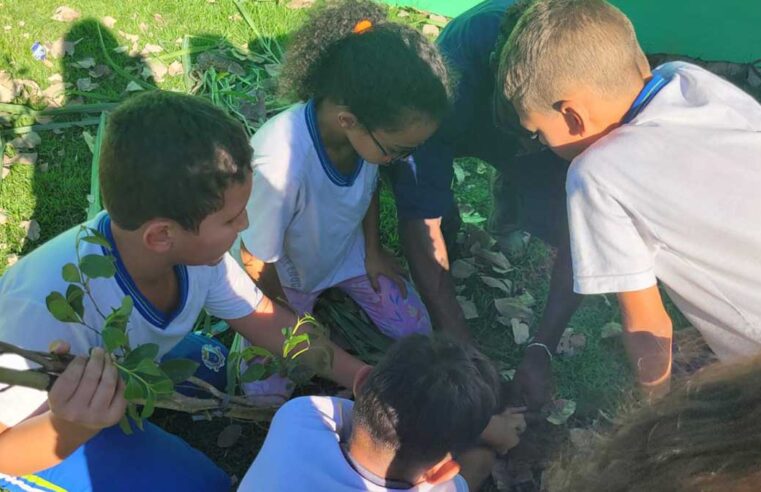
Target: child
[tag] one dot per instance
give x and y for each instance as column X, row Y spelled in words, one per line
column 175, row 176
column 664, row 183
column 423, row 406
column 703, row 436
column 374, row 91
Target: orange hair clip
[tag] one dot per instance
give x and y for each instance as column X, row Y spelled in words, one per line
column 362, row 26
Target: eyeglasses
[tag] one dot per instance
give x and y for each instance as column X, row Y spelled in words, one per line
column 394, row 156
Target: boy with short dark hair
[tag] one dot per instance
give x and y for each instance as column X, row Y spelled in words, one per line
column 420, row 409
column 664, row 181
column 175, row 175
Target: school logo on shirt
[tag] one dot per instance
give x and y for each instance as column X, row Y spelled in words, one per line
column 212, row 357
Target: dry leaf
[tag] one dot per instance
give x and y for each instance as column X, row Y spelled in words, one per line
column 56, row 77
column 229, row 435
column 120, row 49
column 65, row 14
column 520, row 331
column 85, row 84
column 300, row 4
column 151, row 49
column 527, row 299
column 8, row 89
column 3, row 217
column 132, row 38
column 26, row 159
column 108, row 21
column 32, row 229
column 431, row 30
column 42, row 167
column 100, row 71
column 55, row 94
column 560, row 411
column 133, row 87
column 512, row 307
column 60, row 48
column 468, row 307
column 494, row 258
column 503, row 320
column 5, row 172
column 571, row 343
column 12, row 260
column 143, row 26
column 26, row 141
column 84, row 63
column 175, row 68
column 157, row 68
column 403, row 13
column 462, row 269
column 503, row 285
column 438, row 18
column 158, row 19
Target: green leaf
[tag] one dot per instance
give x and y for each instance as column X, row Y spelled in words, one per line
column 96, row 237
column 293, row 342
column 162, row 385
column 148, row 407
column 135, row 389
column 60, row 308
column 127, row 305
column 255, row 372
column 144, row 351
column 149, row 367
column 70, row 273
column 75, row 297
column 179, row 370
column 124, row 425
column 254, row 351
column 132, row 412
column 117, row 320
column 113, row 338
column 560, row 411
column 97, row 266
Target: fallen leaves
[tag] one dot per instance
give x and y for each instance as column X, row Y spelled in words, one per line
column 151, row 49
column 520, row 331
column 559, row 411
column 28, row 140
column 85, row 84
column 513, row 307
column 61, row 47
column 156, row 69
column 85, row 63
column 32, row 229
column 229, row 436
column 108, row 21
column 65, row 14
column 462, row 269
column 175, row 68
column 571, row 343
column 502, row 284
column 468, row 307
column 133, row 87
column 610, row 330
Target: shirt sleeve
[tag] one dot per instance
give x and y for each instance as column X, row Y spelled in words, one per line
column 232, row 294
column 28, row 324
column 609, row 253
column 273, row 201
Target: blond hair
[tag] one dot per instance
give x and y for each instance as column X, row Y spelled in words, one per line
column 559, row 45
column 704, row 436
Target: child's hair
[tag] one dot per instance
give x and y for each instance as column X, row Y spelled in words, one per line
column 558, row 45
column 509, row 20
column 170, row 155
column 382, row 72
column 429, row 396
column 705, row 435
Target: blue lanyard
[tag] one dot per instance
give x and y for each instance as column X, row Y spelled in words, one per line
column 654, row 85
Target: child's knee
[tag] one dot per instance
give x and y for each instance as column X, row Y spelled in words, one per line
column 404, row 315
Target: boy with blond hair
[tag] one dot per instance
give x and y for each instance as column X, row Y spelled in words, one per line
column 664, row 181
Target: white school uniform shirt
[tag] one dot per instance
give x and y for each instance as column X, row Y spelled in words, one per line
column 306, row 450
column 675, row 194
column 304, row 215
column 224, row 290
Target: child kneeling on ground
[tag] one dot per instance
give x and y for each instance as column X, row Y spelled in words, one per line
column 175, row 176
column 415, row 426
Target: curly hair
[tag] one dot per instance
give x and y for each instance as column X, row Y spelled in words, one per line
column 381, row 74
column 170, row 155
column 704, row 436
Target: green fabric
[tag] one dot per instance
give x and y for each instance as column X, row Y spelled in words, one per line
column 728, row 30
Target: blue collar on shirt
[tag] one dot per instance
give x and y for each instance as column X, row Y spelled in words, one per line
column 653, row 86
column 334, row 174
column 153, row 315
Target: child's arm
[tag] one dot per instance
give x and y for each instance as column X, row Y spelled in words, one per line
column 503, row 431
column 87, row 397
column 647, row 337
column 378, row 261
column 264, row 275
column 262, row 328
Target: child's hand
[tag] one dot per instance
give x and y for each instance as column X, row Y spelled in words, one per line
column 381, row 262
column 503, row 431
column 89, row 393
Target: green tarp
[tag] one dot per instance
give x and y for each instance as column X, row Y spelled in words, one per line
column 727, row 30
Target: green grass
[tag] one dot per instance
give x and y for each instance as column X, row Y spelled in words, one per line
column 57, row 199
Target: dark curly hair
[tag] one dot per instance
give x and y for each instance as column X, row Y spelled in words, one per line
column 380, row 74
column 170, row 155
column 508, row 22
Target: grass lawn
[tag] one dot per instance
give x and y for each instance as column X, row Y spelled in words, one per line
column 54, row 192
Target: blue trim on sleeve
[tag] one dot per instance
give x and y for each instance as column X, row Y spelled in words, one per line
column 153, row 315
column 334, row 174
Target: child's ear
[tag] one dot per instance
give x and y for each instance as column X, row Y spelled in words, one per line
column 157, row 236
column 574, row 117
column 360, row 377
column 443, row 471
column 347, row 120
